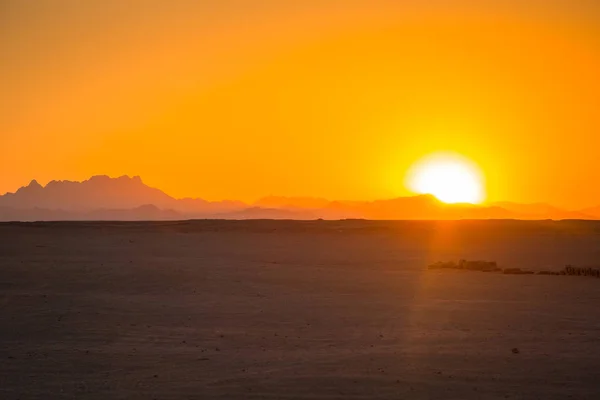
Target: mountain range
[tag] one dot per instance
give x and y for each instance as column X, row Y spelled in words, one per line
column 129, row 198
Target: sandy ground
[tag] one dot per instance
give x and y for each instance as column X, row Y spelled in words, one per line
column 296, row 310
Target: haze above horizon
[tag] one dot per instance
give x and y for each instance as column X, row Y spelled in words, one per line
column 129, row 198
column 241, row 99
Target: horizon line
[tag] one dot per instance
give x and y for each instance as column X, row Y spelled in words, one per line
column 484, row 203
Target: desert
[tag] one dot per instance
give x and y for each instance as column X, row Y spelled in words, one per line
column 296, row 310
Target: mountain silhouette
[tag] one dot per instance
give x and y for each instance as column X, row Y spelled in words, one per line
column 105, row 193
column 536, row 210
column 593, row 212
column 267, row 213
column 97, row 192
column 129, row 198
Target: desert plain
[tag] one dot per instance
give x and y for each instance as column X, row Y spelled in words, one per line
column 297, row 310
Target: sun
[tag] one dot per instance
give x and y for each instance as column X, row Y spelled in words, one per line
column 449, row 177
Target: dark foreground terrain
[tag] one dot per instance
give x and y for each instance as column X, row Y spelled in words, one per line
column 297, row 310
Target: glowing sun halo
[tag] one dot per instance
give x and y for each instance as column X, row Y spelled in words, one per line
column 450, row 178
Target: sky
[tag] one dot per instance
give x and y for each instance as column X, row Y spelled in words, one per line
column 235, row 99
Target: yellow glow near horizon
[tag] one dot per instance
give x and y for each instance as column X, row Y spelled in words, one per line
column 450, row 178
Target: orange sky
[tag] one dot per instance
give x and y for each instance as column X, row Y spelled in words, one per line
column 240, row 99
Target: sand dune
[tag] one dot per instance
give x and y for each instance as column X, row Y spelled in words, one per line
column 296, row 310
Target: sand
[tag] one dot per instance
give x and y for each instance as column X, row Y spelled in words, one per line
column 296, row 310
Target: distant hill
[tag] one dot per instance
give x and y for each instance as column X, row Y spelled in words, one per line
column 592, row 212
column 541, row 211
column 413, row 207
column 103, row 192
column 266, row 213
column 142, row 213
column 426, row 207
column 130, row 199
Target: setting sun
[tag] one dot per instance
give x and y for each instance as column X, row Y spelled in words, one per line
column 450, row 178
column 300, row 199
